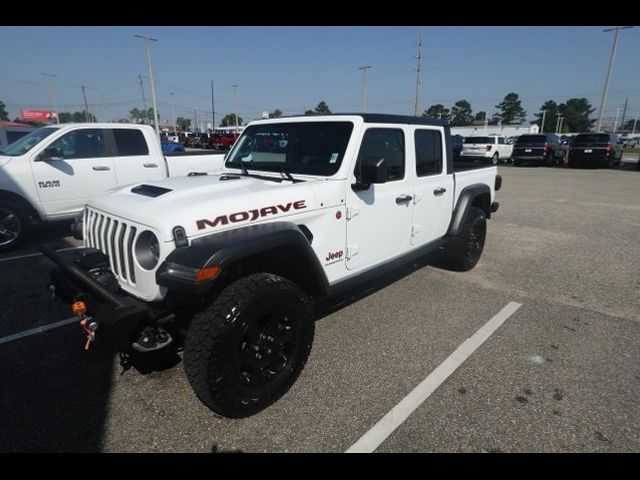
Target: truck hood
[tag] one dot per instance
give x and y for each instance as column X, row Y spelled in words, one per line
column 206, row 204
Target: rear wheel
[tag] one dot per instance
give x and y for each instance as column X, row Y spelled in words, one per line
column 495, row 159
column 464, row 250
column 246, row 350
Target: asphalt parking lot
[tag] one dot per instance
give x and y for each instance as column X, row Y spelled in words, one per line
column 561, row 373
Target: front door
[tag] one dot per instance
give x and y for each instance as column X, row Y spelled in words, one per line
column 433, row 190
column 379, row 217
column 65, row 185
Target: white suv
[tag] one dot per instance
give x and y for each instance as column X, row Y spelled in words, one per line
column 491, row 149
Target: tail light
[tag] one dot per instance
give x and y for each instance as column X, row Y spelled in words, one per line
column 547, row 147
column 488, row 148
column 610, row 148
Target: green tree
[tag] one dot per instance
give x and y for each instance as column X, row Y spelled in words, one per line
column 321, row 109
column 142, row 116
column 4, row 115
column 275, row 114
column 550, row 118
column 511, row 109
column 437, row 111
column 184, row 124
column 229, row 120
column 576, row 112
column 480, row 116
column 461, row 114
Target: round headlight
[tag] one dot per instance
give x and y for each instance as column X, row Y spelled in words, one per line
column 147, row 250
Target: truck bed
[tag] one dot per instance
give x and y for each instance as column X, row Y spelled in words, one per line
column 473, row 173
column 184, row 163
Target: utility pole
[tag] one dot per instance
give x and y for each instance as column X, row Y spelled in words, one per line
column 419, row 58
column 364, row 86
column 144, row 100
column 544, row 115
column 86, row 106
column 635, row 120
column 195, row 120
column 235, row 103
column 51, row 76
column 213, row 108
column 173, row 111
column 156, row 121
column 615, row 122
column 559, row 117
column 606, row 82
column 624, row 112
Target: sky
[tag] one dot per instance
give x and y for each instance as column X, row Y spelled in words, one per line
column 294, row 68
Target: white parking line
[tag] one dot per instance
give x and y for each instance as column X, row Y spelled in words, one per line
column 37, row 254
column 398, row 414
column 34, row 331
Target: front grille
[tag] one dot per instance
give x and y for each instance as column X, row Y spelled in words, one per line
column 115, row 238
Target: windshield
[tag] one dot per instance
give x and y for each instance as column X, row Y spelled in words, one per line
column 313, row 148
column 26, row 143
column 478, row 140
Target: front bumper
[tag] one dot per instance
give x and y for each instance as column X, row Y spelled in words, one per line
column 119, row 314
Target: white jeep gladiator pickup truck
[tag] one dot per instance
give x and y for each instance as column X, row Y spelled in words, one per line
column 229, row 266
column 51, row 173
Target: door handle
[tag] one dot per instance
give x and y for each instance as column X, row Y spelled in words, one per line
column 439, row 191
column 100, row 168
column 403, row 199
column 150, row 165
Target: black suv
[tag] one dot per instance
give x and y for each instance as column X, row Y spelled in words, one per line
column 540, row 148
column 456, row 144
column 604, row 149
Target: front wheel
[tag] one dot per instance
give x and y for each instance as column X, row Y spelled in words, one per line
column 464, row 250
column 14, row 224
column 247, row 349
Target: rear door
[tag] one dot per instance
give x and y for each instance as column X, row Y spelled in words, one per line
column 133, row 161
column 379, row 217
column 433, row 187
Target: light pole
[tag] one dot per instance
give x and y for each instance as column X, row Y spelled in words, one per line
column 606, row 82
column 364, row 69
column 51, row 76
column 235, row 103
column 559, row 117
column 151, row 82
column 544, row 115
column 86, row 105
column 173, row 111
column 144, row 100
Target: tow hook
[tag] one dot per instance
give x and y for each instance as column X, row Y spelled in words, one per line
column 152, row 338
column 88, row 324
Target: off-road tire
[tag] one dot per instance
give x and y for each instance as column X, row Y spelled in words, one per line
column 23, row 218
column 220, row 340
column 463, row 251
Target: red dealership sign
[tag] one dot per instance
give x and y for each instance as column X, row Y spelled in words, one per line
column 31, row 115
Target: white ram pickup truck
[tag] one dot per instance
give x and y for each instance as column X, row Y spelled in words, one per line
column 229, row 267
column 51, row 173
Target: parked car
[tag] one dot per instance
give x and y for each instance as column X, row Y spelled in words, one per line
column 237, row 261
column 492, row 149
column 51, row 173
column 539, row 148
column 12, row 131
column 601, row 149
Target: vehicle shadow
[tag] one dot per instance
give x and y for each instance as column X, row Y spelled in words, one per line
column 54, row 396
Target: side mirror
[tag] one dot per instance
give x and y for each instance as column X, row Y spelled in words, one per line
column 51, row 154
column 372, row 170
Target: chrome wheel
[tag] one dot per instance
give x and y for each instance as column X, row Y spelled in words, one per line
column 10, row 226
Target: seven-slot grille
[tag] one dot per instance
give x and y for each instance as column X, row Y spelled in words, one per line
column 114, row 238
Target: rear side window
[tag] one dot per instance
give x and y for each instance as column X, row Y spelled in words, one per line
column 541, row 139
column 592, row 138
column 384, row 143
column 428, row 152
column 13, row 135
column 130, row 142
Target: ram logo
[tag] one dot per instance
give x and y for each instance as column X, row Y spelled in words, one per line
column 49, row 184
column 250, row 215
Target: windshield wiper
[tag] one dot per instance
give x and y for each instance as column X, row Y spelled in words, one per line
column 243, row 167
column 287, row 174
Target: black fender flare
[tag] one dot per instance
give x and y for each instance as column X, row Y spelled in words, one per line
column 465, row 201
column 228, row 247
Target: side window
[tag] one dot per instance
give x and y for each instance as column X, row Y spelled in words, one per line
column 428, row 152
column 130, row 142
column 386, row 143
column 501, row 141
column 84, row 143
